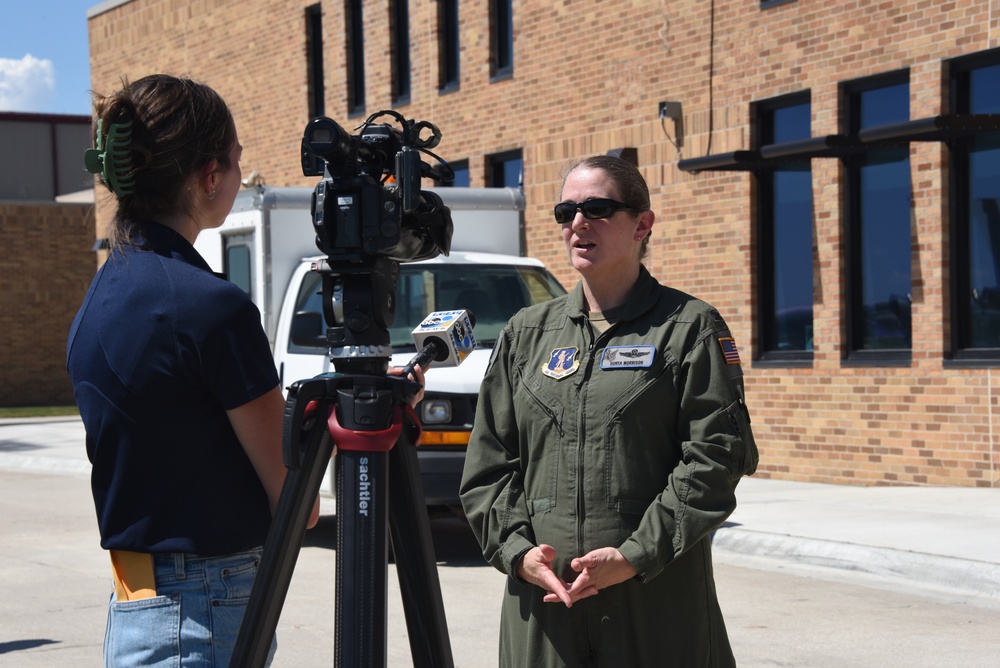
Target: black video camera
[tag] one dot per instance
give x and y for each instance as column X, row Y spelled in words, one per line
column 369, row 203
column 370, row 215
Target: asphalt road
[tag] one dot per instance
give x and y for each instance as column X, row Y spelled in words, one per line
column 54, row 585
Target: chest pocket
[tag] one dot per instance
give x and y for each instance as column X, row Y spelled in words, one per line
column 540, row 411
column 641, row 447
column 534, row 396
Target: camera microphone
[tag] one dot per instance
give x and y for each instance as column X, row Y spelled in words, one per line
column 443, row 337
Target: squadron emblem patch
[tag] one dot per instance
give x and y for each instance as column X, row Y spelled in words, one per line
column 562, row 362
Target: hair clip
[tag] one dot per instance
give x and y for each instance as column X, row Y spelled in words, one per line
column 114, row 161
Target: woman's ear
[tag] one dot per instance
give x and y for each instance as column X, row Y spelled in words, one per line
column 208, row 176
column 645, row 224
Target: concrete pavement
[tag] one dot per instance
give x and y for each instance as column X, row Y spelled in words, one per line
column 55, row 580
column 943, row 539
column 935, row 541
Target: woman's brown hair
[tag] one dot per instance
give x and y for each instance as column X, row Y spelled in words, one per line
column 171, row 128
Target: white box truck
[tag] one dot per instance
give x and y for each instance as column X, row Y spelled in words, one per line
column 267, row 245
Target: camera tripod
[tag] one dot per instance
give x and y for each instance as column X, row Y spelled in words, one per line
column 366, row 227
column 369, row 418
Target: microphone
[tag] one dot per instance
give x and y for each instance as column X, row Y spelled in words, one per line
column 443, row 337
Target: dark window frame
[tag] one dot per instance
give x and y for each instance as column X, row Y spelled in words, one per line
column 456, row 166
column 496, row 164
column 501, row 159
column 316, row 85
column 852, row 352
column 959, row 149
column 449, row 47
column 399, row 27
column 763, row 113
column 768, row 4
column 501, row 40
column 354, row 26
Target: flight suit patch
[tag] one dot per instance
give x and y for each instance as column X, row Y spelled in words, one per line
column 733, row 365
column 562, row 362
column 729, row 350
column 628, row 357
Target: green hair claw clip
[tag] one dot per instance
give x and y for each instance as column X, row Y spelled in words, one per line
column 112, row 158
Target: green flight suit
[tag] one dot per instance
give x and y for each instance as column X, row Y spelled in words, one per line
column 634, row 439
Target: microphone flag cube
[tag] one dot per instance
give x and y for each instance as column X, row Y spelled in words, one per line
column 451, row 332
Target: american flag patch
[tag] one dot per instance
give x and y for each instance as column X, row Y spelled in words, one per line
column 729, row 350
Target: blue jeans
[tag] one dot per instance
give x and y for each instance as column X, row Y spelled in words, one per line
column 192, row 621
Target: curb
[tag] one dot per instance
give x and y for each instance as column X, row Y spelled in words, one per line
column 906, row 569
column 44, row 464
column 42, row 419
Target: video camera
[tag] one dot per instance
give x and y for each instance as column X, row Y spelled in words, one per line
column 370, row 214
column 369, row 203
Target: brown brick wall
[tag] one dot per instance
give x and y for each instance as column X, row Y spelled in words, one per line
column 587, row 78
column 45, row 269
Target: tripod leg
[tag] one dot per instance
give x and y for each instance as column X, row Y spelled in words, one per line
column 362, row 558
column 416, row 566
column 281, row 550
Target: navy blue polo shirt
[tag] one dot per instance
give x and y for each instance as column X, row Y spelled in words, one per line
column 159, row 351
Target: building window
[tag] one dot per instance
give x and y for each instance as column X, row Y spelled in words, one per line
column 975, row 177
column 878, row 222
column 448, row 44
column 505, row 170
column 767, row 4
column 314, row 61
column 461, row 180
column 355, row 58
column 501, row 39
column 399, row 21
column 785, row 239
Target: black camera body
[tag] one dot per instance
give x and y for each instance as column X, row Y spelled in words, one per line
column 370, row 215
column 369, row 203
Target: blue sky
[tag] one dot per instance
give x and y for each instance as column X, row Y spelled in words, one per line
column 45, row 57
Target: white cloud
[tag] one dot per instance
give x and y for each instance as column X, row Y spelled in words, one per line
column 28, row 84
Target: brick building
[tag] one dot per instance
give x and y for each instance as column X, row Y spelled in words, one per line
column 47, row 262
column 825, row 173
column 45, row 268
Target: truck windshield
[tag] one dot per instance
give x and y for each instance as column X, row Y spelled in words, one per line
column 493, row 293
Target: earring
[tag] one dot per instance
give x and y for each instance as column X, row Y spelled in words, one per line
column 212, row 196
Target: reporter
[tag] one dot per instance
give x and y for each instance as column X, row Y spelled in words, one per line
column 175, row 382
column 609, row 438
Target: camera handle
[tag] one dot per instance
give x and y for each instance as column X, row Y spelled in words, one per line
column 375, row 429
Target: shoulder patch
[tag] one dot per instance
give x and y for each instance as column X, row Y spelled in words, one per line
column 729, row 351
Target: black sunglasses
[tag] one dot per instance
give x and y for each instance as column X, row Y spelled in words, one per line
column 593, row 209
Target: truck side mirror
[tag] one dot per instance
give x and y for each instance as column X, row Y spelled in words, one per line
column 307, row 330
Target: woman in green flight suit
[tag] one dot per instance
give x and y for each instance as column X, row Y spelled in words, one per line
column 609, row 439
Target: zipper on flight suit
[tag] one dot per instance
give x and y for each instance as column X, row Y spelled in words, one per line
column 581, row 431
column 736, row 425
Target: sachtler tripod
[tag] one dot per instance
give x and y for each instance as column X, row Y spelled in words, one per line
column 368, row 416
